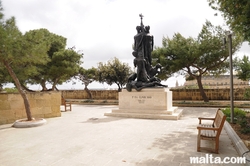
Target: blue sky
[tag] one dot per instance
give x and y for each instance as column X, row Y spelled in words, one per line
column 104, row 29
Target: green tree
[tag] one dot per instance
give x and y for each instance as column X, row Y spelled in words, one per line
column 113, row 72
column 14, row 51
column 236, row 13
column 64, row 65
column 27, row 71
column 243, row 68
column 195, row 57
column 87, row 76
column 4, row 76
column 51, row 43
column 61, row 64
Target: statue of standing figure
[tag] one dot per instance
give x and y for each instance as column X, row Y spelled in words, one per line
column 145, row 75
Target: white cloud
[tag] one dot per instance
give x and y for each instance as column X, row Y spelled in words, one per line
column 104, row 29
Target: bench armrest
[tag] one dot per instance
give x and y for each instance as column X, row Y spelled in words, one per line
column 201, row 118
column 207, row 128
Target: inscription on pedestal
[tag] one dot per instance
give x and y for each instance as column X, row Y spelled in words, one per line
column 141, row 99
column 152, row 103
column 146, row 99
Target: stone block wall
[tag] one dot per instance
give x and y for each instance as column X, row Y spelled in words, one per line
column 96, row 94
column 212, row 94
column 42, row 105
column 178, row 94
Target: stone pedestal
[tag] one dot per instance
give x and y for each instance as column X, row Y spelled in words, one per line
column 149, row 103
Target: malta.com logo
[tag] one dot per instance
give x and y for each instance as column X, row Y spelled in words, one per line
column 210, row 159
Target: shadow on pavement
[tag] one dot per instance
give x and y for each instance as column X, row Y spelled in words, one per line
column 102, row 120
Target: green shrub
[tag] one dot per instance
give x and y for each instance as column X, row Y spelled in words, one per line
column 240, row 117
column 88, row 101
column 245, row 130
column 239, row 114
column 11, row 90
column 243, row 123
column 247, row 94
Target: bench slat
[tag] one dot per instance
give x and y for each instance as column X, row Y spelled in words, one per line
column 208, row 133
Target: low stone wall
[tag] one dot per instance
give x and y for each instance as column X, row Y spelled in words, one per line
column 42, row 105
column 178, row 94
column 96, row 94
column 212, row 94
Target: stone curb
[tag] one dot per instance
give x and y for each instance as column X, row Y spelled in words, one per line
column 237, row 142
column 26, row 124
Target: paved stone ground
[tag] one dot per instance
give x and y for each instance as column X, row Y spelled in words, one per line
column 86, row 137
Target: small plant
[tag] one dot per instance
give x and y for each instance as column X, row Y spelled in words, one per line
column 240, row 117
column 11, row 90
column 247, row 94
column 243, row 123
column 245, row 127
column 239, row 114
column 245, row 130
column 88, row 101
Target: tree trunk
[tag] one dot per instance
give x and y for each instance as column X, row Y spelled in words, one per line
column 119, row 87
column 54, row 84
column 27, row 89
column 21, row 91
column 203, row 94
column 1, row 87
column 43, row 84
column 88, row 92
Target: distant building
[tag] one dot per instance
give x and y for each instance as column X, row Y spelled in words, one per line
column 222, row 81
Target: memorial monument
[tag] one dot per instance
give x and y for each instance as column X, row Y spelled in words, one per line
column 145, row 96
column 146, row 74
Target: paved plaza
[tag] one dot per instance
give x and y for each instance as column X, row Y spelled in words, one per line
column 85, row 137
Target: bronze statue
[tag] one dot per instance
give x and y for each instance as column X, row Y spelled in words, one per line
column 143, row 46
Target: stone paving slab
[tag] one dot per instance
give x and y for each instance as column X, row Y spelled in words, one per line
column 86, row 137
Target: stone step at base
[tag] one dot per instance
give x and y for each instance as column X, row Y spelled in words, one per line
column 146, row 111
column 174, row 116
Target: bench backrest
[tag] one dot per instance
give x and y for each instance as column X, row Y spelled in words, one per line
column 63, row 101
column 220, row 118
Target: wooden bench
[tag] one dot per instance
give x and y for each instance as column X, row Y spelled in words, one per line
column 66, row 104
column 211, row 131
